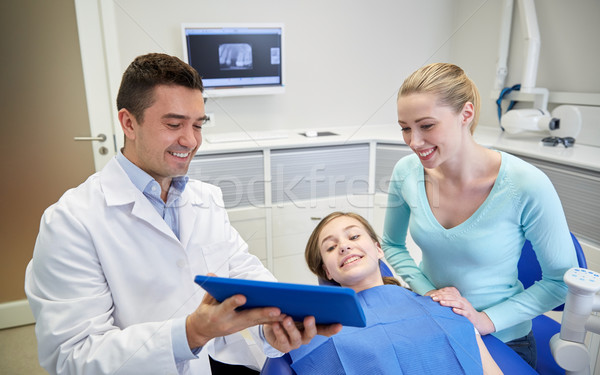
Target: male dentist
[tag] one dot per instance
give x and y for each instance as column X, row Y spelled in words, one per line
column 111, row 279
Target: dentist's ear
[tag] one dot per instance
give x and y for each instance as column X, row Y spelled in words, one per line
column 127, row 121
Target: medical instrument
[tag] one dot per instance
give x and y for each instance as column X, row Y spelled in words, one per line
column 519, row 120
column 568, row 347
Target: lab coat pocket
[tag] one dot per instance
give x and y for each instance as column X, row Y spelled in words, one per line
column 217, row 257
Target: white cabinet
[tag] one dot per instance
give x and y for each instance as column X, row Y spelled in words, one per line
column 275, row 197
column 251, row 223
column 241, row 177
column 308, row 184
column 312, row 173
column 293, row 223
column 386, row 157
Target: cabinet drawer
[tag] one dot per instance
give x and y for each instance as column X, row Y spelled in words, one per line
column 292, row 225
column 240, row 175
column 386, row 157
column 303, row 216
column 319, row 172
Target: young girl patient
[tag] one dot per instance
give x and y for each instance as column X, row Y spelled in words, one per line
column 405, row 333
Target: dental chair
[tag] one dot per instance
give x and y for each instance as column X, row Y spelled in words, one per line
column 544, row 327
column 506, row 358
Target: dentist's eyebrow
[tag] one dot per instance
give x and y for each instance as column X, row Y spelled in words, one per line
column 175, row 116
column 182, row 117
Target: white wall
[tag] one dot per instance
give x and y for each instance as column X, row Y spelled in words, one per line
column 345, row 60
column 569, row 52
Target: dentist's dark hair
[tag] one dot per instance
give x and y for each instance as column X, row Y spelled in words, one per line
column 145, row 72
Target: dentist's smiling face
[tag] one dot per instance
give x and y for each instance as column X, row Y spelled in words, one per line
column 350, row 256
column 165, row 142
column 431, row 130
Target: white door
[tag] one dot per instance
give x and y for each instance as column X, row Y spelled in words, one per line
column 101, row 72
column 43, row 106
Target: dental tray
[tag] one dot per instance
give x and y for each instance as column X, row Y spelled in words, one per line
column 328, row 304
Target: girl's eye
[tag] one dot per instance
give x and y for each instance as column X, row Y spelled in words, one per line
column 404, row 130
column 329, row 246
column 355, row 237
column 427, row 127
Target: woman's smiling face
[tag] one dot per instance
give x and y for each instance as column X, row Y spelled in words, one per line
column 431, row 130
column 350, row 255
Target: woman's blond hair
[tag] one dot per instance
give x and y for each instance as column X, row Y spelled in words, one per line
column 312, row 253
column 449, row 83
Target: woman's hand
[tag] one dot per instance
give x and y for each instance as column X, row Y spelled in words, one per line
column 450, row 296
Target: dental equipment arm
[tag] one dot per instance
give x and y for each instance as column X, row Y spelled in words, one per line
column 568, row 347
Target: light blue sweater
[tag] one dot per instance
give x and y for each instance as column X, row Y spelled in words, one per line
column 479, row 257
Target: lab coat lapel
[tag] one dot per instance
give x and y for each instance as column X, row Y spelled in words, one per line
column 142, row 208
column 119, row 190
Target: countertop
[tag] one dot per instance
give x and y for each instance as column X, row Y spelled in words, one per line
column 582, row 156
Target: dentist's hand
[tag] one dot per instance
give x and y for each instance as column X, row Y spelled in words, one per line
column 213, row 319
column 450, row 296
column 286, row 335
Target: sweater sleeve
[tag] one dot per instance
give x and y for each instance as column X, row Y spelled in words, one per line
column 395, row 230
column 545, row 226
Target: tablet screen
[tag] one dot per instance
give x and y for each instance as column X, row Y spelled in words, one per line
column 328, row 304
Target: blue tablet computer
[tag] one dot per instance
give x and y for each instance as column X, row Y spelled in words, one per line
column 328, row 304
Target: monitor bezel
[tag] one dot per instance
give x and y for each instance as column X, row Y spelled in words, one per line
column 246, row 90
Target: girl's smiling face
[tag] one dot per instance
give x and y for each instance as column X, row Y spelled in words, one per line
column 350, row 255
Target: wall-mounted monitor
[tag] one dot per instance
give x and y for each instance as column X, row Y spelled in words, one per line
column 236, row 59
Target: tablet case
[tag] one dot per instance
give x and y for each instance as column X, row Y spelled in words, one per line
column 328, row 304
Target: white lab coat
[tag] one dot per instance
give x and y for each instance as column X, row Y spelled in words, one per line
column 108, row 276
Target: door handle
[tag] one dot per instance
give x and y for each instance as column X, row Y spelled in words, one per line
column 99, row 138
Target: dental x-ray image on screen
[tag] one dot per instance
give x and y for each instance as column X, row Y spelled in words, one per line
column 235, row 56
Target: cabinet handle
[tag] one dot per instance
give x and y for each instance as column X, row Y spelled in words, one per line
column 315, row 218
